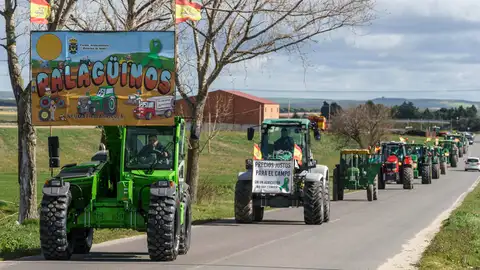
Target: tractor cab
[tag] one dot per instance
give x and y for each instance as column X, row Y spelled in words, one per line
column 287, row 139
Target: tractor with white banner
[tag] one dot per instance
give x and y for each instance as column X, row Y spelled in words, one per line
column 283, row 174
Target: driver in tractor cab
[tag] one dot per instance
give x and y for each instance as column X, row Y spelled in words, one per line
column 153, row 144
column 285, row 142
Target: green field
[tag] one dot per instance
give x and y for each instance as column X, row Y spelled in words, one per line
column 457, row 245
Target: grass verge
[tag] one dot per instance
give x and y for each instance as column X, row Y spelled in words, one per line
column 457, row 245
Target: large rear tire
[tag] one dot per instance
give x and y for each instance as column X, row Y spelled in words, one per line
column 381, row 181
column 243, row 202
column 375, row 188
column 258, row 213
column 55, row 242
column 326, row 201
column 407, row 178
column 313, row 207
column 163, row 237
column 453, row 163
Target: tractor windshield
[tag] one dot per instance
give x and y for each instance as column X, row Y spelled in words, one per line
column 393, row 149
column 149, row 148
column 278, row 141
column 101, row 92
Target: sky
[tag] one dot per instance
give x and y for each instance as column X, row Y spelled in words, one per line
column 429, row 48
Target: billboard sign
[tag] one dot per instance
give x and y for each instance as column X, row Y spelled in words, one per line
column 102, row 78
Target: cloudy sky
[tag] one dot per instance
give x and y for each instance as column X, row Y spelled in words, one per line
column 430, row 48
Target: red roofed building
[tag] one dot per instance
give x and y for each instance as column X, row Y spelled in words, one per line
column 232, row 107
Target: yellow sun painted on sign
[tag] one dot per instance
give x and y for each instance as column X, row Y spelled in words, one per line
column 49, row 47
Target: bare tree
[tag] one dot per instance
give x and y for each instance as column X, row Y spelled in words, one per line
column 27, row 173
column 365, row 124
column 235, row 31
column 123, row 15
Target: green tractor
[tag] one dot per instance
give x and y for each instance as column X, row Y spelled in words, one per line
column 422, row 162
column 450, row 151
column 134, row 184
column 283, row 174
column 438, row 160
column 358, row 169
column 460, row 140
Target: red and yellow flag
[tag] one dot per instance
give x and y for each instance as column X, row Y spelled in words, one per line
column 187, row 10
column 297, row 154
column 257, row 153
column 39, row 11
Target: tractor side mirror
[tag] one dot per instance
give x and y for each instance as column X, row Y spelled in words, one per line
column 250, row 133
column 53, row 152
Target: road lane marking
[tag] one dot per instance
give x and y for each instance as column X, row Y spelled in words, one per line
column 412, row 251
column 211, row 263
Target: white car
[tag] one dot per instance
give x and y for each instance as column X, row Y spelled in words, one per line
column 472, row 163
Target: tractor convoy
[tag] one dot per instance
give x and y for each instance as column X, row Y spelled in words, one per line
column 138, row 178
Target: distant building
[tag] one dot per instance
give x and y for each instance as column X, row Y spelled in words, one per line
column 232, row 107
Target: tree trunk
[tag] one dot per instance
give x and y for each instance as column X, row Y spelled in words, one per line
column 194, row 150
column 27, row 172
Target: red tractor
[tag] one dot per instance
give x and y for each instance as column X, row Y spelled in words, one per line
column 397, row 167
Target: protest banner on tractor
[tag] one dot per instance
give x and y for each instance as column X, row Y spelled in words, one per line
column 102, row 78
column 272, row 176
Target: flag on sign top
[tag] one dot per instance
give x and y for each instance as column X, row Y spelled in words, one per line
column 187, row 10
column 39, row 11
column 257, row 154
column 297, row 154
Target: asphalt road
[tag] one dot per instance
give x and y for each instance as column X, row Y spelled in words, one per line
column 360, row 235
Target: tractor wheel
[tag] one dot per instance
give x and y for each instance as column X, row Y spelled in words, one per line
column 110, row 106
column 370, row 192
column 326, row 201
column 375, row 188
column 443, row 167
column 454, row 162
column 460, row 152
column 55, row 242
column 381, row 182
column 338, row 189
column 148, row 116
column 313, row 207
column 426, row 174
column 45, row 102
column 82, row 240
column 163, row 237
column 186, row 233
column 436, row 171
column 258, row 212
column 407, row 178
column 243, row 202
column 168, row 114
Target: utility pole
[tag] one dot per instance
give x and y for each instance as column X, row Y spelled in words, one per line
column 260, row 118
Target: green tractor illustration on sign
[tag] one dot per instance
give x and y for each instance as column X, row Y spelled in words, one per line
column 104, row 101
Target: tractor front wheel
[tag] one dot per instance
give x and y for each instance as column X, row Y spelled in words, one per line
column 375, row 188
column 163, row 237
column 243, row 202
column 426, row 175
column 407, row 177
column 313, row 206
column 436, row 171
column 338, row 188
column 55, row 242
column 460, row 152
column 443, row 167
column 370, row 192
column 454, row 162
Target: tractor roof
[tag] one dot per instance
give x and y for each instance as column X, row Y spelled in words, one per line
column 286, row 121
column 355, row 151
